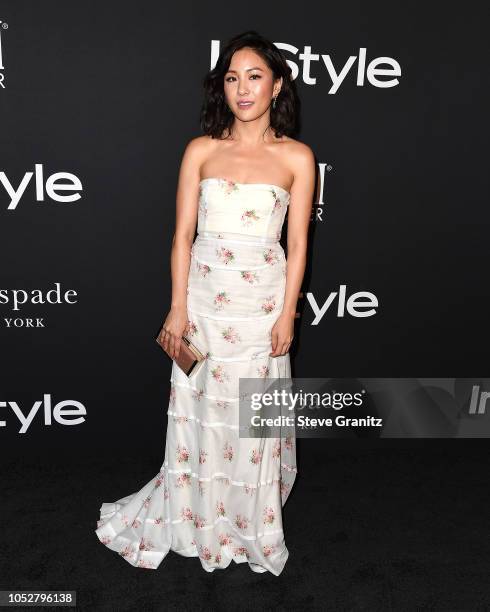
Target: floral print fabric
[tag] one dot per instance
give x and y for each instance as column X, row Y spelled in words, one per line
column 217, row 496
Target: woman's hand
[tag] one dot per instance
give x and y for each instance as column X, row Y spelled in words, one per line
column 282, row 335
column 175, row 326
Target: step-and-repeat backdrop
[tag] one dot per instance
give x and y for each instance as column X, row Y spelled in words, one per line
column 97, row 103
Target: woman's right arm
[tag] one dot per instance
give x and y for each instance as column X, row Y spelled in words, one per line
column 187, row 202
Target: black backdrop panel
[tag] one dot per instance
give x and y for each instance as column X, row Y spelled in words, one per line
column 108, row 94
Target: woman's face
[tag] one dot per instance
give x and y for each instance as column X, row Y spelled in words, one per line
column 249, row 79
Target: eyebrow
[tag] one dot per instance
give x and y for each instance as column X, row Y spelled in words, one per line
column 254, row 68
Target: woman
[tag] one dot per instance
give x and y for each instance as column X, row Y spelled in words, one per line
column 218, row 495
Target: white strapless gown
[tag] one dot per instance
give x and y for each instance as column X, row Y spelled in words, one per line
column 217, row 496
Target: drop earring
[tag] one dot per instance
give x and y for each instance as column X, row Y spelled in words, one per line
column 274, row 102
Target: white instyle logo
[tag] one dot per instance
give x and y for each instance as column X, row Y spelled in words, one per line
column 369, row 72
column 50, row 187
column 60, row 412
column 478, row 404
column 355, row 306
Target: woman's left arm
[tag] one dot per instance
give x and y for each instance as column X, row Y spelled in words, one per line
column 299, row 214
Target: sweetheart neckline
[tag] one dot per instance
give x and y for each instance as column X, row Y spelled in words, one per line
column 217, row 178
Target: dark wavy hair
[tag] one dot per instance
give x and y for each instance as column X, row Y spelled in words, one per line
column 216, row 116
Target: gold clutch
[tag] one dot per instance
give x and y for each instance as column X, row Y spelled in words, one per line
column 190, row 357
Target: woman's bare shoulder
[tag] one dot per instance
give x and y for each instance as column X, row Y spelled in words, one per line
column 200, row 143
column 298, row 157
column 198, row 149
column 297, row 147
